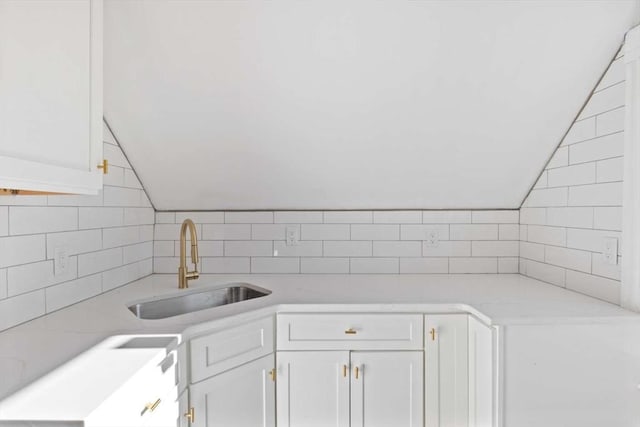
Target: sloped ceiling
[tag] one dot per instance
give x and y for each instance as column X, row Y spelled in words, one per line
column 350, row 104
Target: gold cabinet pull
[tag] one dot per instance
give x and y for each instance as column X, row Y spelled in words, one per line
column 357, row 372
column 350, row 331
column 150, row 407
column 272, row 374
column 432, row 332
column 104, row 166
column 190, row 414
column 344, row 371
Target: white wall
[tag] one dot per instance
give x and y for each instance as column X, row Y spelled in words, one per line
column 108, row 237
column 577, row 201
column 347, row 242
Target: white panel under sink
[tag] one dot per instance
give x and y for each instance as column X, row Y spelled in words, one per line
column 346, row 105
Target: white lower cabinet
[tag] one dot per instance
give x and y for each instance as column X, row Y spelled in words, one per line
column 241, row 397
column 350, row 388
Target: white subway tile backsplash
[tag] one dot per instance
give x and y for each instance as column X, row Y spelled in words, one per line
column 534, row 251
column 570, row 217
column 131, row 180
column 397, row 217
column 545, row 272
column 508, row 265
column 248, row 248
column 30, row 277
column 508, row 231
column 119, row 196
column 225, row 265
column 348, row 217
column 120, row 236
column 447, row 249
column 172, row 231
column 302, row 249
column 607, row 99
column 21, row 249
column 248, row 217
column 115, row 177
column 559, row 159
column 581, row 131
column 397, row 249
column 325, row 232
column 297, row 217
column 375, row 232
column 163, row 248
column 269, row 231
column 609, row 194
column 324, row 265
column 138, row 216
column 495, row 217
column 137, row 252
column 275, row 265
column 346, row 248
column 598, row 287
column 600, row 267
column 542, row 181
column 100, row 217
column 166, row 217
column 610, row 170
column 422, row 232
column 21, row 308
column 446, row 217
column 608, row 218
column 568, row 258
column 3, row 283
column 65, row 294
column 375, row 265
column 473, row 265
column 474, row 232
column 34, row 220
column 222, row 232
column 75, row 242
column 614, row 75
column 95, row 262
column 584, row 173
column 76, row 201
column 610, row 122
column 547, row 197
column 495, row 249
column 167, row 265
column 119, row 276
column 4, row 221
column 604, row 147
column 206, row 248
column 114, row 154
column 424, row 265
column 555, row 236
column 589, row 240
column 536, row 216
column 199, row 217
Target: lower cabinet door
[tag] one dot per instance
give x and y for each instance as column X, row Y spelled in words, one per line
column 386, row 389
column 241, row 397
column 313, row 389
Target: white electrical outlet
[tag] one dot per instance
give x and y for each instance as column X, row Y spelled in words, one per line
column 293, row 235
column 610, row 251
column 60, row 261
column 432, row 238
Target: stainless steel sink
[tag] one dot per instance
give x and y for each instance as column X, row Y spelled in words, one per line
column 190, row 301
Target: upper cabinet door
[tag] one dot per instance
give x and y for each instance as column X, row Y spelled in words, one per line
column 51, row 95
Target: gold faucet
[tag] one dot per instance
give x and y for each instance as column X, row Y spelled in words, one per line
column 185, row 275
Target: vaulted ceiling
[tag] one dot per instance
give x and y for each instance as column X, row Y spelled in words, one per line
column 350, row 104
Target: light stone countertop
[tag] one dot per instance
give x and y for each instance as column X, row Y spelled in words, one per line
column 30, row 350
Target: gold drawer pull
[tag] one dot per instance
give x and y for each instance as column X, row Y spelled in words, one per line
column 190, row 414
column 344, row 371
column 272, row 374
column 432, row 332
column 104, row 166
column 357, row 372
column 350, row 331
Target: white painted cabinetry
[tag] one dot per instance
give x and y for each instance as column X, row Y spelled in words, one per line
column 51, row 95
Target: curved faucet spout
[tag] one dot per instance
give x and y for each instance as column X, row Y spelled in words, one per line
column 184, row 275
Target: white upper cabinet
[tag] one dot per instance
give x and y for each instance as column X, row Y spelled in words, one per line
column 51, row 95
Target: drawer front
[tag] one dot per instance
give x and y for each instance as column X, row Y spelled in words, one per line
column 220, row 351
column 349, row 331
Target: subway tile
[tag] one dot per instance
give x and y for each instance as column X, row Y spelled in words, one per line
column 115, row 177
column 610, row 122
column 597, row 287
column 4, row 221
column 275, row 265
column 581, row 217
column 120, row 236
column 100, row 217
column 584, row 173
column 206, row 248
column 119, row 196
column 107, row 136
column 508, row 231
column 508, row 265
column 559, row 159
column 95, row 262
column 610, row 170
column 614, row 75
column 167, row 265
column 422, row 232
column 66, row 294
column 302, row 249
column 609, row 194
column 397, row 249
column 473, row 265
column 446, row 217
column 21, row 249
column 3, row 283
column 248, row 217
column 536, row 216
column 131, row 180
column 547, row 197
column 163, row 248
column 348, row 217
column 248, row 248
column 600, row 267
column 138, row 216
column 21, row 308
column 346, row 248
column 297, row 217
column 605, row 100
column 269, row 231
column 534, row 251
column 447, row 249
column 496, row 217
column 375, row 265
column 200, row 217
column 375, row 232
column 76, row 242
column 608, row 218
column 30, row 277
column 34, row 220
column 524, row 233
column 543, row 180
column 144, row 200
column 172, row 232
column 23, row 201
column 589, row 240
column 397, row 217
column 424, row 265
column 226, row 265
column 165, row 217
column 120, row 276
column 568, row 258
column 137, row 252
column 604, row 147
column 580, row 131
column 545, row 272
column 225, row 231
column 474, row 232
column 556, row 236
column 116, row 157
column 325, row 232
column 146, row 233
column 324, row 265
column 76, row 201
column 498, row 248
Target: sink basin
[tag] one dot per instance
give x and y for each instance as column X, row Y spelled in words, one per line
column 190, row 301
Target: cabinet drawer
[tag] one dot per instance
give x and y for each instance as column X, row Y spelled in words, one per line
column 223, row 350
column 349, row 331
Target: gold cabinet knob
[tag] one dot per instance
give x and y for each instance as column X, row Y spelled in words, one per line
column 190, row 414
column 272, row 374
column 104, row 166
column 350, row 331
